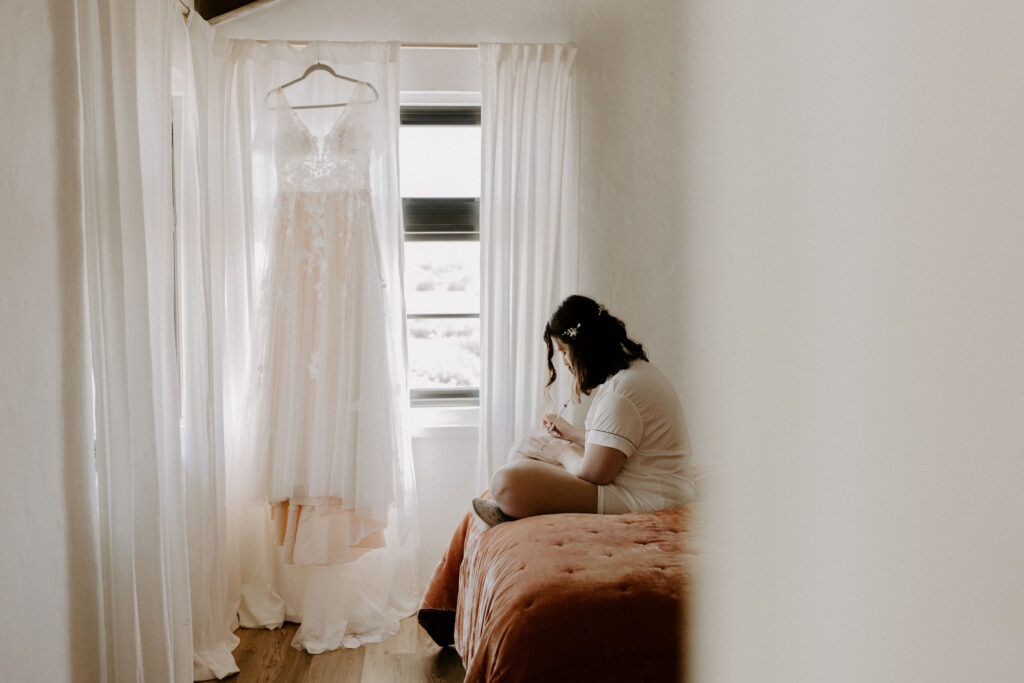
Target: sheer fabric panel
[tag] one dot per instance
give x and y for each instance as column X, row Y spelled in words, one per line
column 200, row 282
column 124, row 69
column 362, row 600
column 186, row 550
column 529, row 234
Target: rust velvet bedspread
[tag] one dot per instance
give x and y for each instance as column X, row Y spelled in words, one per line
column 568, row 597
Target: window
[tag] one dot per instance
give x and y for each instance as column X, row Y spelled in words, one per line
column 439, row 152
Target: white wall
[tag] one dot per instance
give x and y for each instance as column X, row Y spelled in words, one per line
column 853, row 307
column 48, row 581
column 445, row 484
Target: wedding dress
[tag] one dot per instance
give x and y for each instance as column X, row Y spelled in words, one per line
column 325, row 420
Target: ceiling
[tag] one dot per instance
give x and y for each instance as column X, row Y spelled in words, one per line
column 212, row 9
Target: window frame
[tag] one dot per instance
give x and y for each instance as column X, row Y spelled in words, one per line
column 441, row 219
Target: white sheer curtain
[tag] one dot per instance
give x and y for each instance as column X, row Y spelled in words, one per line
column 338, row 604
column 529, row 233
column 185, row 543
column 201, row 285
column 124, row 53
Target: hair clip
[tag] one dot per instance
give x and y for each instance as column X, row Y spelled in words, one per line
column 573, row 331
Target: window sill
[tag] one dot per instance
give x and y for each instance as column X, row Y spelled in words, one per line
column 430, row 421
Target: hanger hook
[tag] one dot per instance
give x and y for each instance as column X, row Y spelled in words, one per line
column 316, row 45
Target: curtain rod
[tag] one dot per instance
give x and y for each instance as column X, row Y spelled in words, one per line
column 459, row 46
column 445, row 45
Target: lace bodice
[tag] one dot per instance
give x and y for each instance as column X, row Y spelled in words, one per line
column 336, row 161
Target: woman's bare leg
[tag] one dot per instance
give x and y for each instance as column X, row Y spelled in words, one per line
column 529, row 487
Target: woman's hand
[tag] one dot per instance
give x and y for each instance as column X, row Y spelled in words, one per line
column 560, row 428
column 552, row 450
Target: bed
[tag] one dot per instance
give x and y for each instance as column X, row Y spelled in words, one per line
column 568, row 597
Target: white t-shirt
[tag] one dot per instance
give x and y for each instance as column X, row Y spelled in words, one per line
column 637, row 411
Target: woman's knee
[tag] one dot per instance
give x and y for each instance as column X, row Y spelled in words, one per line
column 510, row 486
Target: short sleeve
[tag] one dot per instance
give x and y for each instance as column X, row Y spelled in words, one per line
column 613, row 421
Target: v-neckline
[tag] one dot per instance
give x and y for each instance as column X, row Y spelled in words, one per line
column 330, row 131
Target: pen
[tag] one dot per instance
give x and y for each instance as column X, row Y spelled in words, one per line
column 560, row 411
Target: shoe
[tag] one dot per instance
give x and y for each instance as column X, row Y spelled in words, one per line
column 488, row 512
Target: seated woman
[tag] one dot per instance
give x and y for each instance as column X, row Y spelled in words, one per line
column 633, row 454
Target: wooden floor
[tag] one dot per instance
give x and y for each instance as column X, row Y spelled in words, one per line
column 409, row 656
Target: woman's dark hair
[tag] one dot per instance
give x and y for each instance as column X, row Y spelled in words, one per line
column 597, row 342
